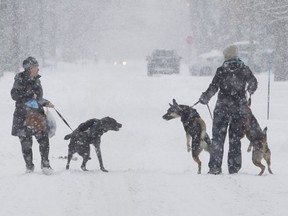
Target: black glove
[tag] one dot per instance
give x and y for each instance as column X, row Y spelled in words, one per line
column 203, row 99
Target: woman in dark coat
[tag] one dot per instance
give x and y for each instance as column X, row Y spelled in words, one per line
column 232, row 80
column 29, row 118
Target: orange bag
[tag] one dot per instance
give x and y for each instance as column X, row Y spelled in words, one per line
column 35, row 120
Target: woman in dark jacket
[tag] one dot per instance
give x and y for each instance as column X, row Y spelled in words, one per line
column 29, row 118
column 232, row 80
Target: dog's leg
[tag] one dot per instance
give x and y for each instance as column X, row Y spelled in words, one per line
column 250, row 147
column 196, row 144
column 267, row 157
column 84, row 151
column 98, row 152
column 207, row 143
column 203, row 128
column 256, row 158
column 188, row 142
column 71, row 151
column 83, row 165
column 267, row 154
column 195, row 156
column 68, row 161
column 262, row 167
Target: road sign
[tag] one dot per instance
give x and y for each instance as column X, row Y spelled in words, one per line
column 189, row 39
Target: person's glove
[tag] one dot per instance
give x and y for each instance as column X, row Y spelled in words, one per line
column 32, row 103
column 46, row 103
column 203, row 99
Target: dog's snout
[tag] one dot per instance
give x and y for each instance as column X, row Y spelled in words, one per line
column 167, row 116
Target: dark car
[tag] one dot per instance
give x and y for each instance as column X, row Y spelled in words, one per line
column 163, row 62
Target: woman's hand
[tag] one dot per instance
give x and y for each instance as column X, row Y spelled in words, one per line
column 50, row 105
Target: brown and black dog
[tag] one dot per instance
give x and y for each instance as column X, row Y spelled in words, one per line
column 194, row 127
column 258, row 141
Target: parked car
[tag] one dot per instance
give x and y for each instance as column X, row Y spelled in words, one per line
column 206, row 63
column 163, row 62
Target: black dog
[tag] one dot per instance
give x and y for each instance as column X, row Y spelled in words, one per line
column 87, row 133
column 258, row 141
column 194, row 126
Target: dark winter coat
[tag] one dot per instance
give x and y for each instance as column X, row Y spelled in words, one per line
column 24, row 89
column 231, row 80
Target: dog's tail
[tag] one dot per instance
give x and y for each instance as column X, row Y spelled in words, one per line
column 265, row 130
column 67, row 137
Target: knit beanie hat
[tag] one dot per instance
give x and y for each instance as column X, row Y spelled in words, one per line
column 29, row 62
column 230, row 52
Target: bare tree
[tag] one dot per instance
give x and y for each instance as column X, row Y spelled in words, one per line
column 275, row 13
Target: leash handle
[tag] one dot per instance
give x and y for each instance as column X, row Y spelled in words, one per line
column 63, row 119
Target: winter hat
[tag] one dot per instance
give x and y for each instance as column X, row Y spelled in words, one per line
column 230, row 52
column 29, row 62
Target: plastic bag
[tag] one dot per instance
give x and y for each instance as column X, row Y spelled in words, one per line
column 51, row 124
column 32, row 103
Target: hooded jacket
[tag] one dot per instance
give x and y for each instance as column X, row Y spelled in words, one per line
column 232, row 79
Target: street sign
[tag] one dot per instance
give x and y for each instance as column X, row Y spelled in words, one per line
column 189, row 39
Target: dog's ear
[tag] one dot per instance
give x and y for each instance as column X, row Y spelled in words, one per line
column 174, row 102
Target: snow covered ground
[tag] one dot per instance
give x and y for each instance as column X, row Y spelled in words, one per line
column 150, row 171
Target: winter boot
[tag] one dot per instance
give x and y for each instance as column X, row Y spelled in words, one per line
column 46, row 168
column 28, row 158
column 215, row 171
column 29, row 168
column 45, row 164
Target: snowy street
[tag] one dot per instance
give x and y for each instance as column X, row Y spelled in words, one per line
column 150, row 171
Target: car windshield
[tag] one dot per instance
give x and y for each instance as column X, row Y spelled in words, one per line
column 163, row 54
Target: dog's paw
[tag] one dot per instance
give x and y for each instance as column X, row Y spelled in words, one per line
column 67, row 167
column 84, row 168
column 104, row 170
column 188, row 148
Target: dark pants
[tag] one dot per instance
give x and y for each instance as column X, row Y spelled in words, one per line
column 227, row 116
column 26, row 144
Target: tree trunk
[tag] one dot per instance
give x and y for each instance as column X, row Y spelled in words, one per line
column 15, row 58
column 281, row 53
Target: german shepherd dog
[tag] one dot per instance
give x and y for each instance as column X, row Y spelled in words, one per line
column 194, row 127
column 258, row 141
column 87, row 133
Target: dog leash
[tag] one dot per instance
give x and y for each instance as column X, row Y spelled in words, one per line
column 63, row 119
column 207, row 107
column 210, row 112
column 195, row 104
